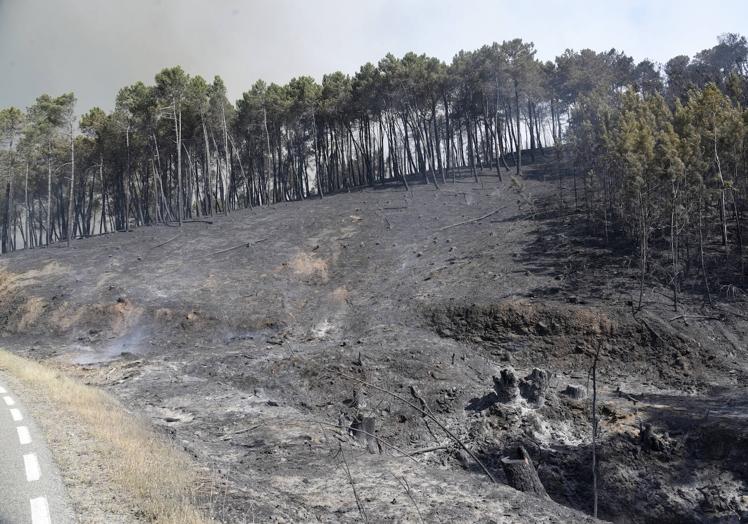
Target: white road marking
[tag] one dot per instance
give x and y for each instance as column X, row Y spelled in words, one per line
column 16, row 414
column 24, row 437
column 40, row 511
column 31, row 464
column 39, row 505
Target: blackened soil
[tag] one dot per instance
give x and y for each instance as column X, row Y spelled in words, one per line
column 259, row 340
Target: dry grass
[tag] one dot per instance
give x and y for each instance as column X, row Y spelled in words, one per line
column 305, row 265
column 31, row 310
column 158, row 479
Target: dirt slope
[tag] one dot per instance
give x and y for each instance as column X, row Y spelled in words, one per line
column 240, row 337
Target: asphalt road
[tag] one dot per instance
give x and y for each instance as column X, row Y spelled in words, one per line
column 30, row 487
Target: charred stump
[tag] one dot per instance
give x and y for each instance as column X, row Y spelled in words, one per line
column 506, row 386
column 521, row 475
column 649, row 440
column 575, row 392
column 363, row 431
column 533, row 387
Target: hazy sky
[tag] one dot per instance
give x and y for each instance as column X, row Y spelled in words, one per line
column 95, row 47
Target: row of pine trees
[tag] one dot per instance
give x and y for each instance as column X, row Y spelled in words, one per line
column 656, row 152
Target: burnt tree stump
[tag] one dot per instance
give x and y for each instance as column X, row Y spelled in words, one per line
column 363, row 430
column 650, row 440
column 521, row 475
column 533, row 387
column 575, row 392
column 506, row 386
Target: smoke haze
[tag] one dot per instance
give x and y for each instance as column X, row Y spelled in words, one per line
column 95, row 47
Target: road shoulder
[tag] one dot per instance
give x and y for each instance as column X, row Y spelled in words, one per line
column 31, row 489
column 115, row 468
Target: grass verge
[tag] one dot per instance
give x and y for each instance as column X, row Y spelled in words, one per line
column 157, row 479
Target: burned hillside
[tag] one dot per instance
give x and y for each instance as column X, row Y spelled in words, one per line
column 299, row 350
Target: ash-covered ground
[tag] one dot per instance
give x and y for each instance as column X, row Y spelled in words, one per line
column 259, row 341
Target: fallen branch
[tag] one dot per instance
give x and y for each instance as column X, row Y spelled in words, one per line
column 245, row 244
column 425, row 407
column 353, row 485
column 379, row 439
column 389, row 226
column 442, row 268
column 429, row 415
column 404, row 483
column 164, row 243
column 472, row 219
column 695, row 317
column 429, row 450
column 231, row 434
column 630, row 398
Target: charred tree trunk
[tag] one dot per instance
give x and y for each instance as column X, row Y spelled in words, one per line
column 521, row 475
column 519, row 130
column 71, row 197
column 6, row 220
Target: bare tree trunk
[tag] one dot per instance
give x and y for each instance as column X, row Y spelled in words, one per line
column 471, row 151
column 674, row 248
column 642, row 248
column 71, row 197
column 701, row 254
column 206, row 172
column 29, row 226
column 6, row 220
column 538, row 141
column 10, row 215
column 519, row 130
column 126, row 185
column 101, row 177
column 448, row 131
column 738, row 230
column 530, row 130
column 178, row 133
column 229, row 176
column 267, row 143
column 317, row 161
column 49, row 194
column 437, row 142
column 13, row 221
column 722, row 213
